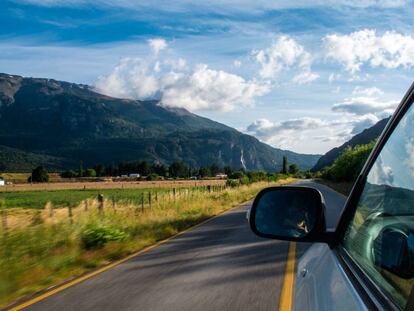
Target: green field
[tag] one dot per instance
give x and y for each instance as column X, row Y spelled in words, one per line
column 64, row 198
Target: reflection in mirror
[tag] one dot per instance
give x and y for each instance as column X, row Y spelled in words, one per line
column 287, row 212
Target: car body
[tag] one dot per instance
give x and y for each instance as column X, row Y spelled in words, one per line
column 367, row 261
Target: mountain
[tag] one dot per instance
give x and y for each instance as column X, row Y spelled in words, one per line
column 365, row 137
column 57, row 124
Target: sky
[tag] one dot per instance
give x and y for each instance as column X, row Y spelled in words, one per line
column 299, row 75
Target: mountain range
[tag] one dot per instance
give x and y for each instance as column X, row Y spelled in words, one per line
column 363, row 138
column 57, row 124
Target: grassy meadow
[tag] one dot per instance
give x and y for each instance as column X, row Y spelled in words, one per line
column 47, row 237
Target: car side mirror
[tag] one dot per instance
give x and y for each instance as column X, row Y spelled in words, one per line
column 289, row 213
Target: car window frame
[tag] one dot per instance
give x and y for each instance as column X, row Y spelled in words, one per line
column 369, row 291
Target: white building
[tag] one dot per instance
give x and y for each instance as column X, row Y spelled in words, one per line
column 2, row 182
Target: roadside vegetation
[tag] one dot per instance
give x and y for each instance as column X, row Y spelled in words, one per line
column 44, row 245
column 342, row 174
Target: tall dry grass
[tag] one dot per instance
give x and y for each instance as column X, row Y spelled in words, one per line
column 44, row 247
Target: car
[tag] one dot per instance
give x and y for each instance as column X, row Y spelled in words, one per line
column 367, row 261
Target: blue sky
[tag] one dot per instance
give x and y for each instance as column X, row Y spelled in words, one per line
column 297, row 76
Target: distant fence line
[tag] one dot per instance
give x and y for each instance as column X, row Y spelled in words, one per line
column 113, row 185
column 102, row 204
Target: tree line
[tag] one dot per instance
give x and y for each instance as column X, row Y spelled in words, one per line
column 177, row 169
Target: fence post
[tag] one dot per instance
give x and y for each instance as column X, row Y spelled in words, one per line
column 70, row 214
column 156, row 196
column 100, row 202
column 51, row 210
column 174, row 191
column 150, row 199
column 86, row 205
column 209, row 188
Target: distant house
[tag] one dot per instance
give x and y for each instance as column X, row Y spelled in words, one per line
column 134, row 175
column 2, row 182
column 221, row 176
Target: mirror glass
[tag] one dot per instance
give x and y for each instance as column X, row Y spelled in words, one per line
column 287, row 212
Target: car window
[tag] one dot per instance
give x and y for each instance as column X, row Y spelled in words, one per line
column 380, row 237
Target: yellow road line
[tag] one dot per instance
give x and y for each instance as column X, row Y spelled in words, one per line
column 286, row 297
column 111, row 265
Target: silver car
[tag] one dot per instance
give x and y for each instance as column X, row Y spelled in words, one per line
column 367, row 261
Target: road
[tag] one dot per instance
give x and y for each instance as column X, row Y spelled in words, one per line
column 219, row 265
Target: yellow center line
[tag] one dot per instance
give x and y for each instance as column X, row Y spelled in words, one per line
column 286, row 297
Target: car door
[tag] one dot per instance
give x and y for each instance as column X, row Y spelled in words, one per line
column 370, row 262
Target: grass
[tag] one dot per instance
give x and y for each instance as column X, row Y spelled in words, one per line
column 64, row 198
column 52, row 248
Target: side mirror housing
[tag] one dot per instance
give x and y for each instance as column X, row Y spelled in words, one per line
column 289, row 213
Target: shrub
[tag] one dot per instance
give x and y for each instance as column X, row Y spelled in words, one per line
column 233, row 183
column 244, row 180
column 90, row 172
column 39, row 174
column 96, row 236
column 348, row 165
column 237, row 175
column 153, row 176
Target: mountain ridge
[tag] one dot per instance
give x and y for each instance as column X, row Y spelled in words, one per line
column 70, row 122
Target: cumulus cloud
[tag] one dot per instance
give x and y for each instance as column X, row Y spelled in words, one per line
column 389, row 50
column 157, row 45
column 171, row 81
column 208, row 89
column 299, row 132
column 361, row 123
column 363, row 105
column 292, row 133
column 283, row 55
column 381, row 174
column 132, row 78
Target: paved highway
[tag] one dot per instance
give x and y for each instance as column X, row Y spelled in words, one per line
column 219, row 265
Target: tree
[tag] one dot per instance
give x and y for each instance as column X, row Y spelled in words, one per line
column 284, row 165
column 39, row 174
column 204, row 172
column 293, row 169
column 99, row 169
column 144, row 168
column 178, row 169
column 90, row 172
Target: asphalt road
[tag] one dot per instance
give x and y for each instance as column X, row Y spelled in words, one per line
column 219, row 265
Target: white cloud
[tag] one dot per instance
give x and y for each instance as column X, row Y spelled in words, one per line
column 237, row 63
column 171, row 81
column 305, row 77
column 362, row 105
column 208, row 89
column 390, row 50
column 285, row 54
column 370, row 91
column 132, row 78
column 157, row 45
column 334, row 77
column 361, row 123
column 381, row 174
